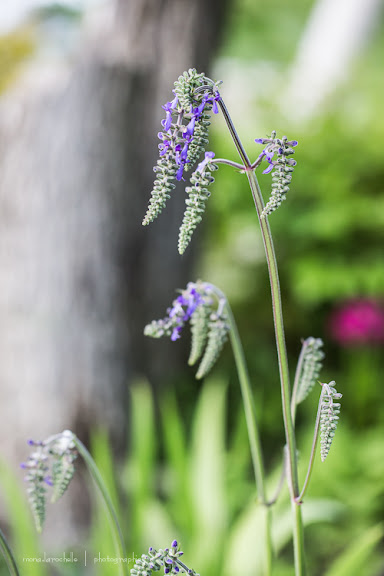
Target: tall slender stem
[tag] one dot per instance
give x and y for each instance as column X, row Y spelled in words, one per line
column 8, row 555
column 280, row 344
column 299, row 499
column 97, row 478
column 293, row 479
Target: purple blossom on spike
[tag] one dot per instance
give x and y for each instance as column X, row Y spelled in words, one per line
column 269, row 169
column 208, row 157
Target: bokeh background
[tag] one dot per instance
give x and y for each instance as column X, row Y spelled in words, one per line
column 81, row 88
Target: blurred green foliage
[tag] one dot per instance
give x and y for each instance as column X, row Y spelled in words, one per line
column 196, row 485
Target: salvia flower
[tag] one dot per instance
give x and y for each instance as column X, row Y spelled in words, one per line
column 198, row 194
column 358, row 322
column 167, row 560
column 50, row 464
column 281, row 167
column 198, row 305
column 184, row 135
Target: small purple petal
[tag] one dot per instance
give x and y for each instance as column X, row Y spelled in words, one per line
column 179, row 173
column 166, row 570
column 269, row 169
column 176, row 333
column 23, row 465
column 208, row 156
column 31, row 442
column 215, row 108
column 176, row 568
column 190, row 127
column 259, row 140
column 168, row 121
column 184, row 152
column 174, row 102
column 174, row 544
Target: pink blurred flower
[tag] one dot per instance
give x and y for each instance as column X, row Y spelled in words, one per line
column 358, row 322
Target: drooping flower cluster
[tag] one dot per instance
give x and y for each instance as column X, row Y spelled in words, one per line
column 184, row 136
column 209, row 324
column 311, row 366
column 198, row 194
column 282, row 168
column 329, row 417
column 50, row 464
column 167, row 559
column 358, row 322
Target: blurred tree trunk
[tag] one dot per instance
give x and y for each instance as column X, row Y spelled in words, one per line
column 79, row 274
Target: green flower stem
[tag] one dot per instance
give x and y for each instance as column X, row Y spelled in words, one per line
column 235, row 137
column 97, row 478
column 251, row 421
column 299, row 499
column 292, row 472
column 284, row 374
column 8, row 556
column 228, row 163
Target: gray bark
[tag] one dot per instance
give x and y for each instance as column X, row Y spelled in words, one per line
column 79, row 276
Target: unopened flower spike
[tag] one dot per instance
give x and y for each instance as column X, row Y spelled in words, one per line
column 329, row 417
column 209, row 326
column 198, row 194
column 167, row 560
column 281, row 167
column 50, row 464
column 184, row 136
column 312, row 357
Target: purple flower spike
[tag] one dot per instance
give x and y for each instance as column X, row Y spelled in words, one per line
column 174, row 544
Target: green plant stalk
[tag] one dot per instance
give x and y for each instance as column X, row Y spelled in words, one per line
column 8, row 555
column 292, row 471
column 98, row 480
column 299, row 499
column 293, row 480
